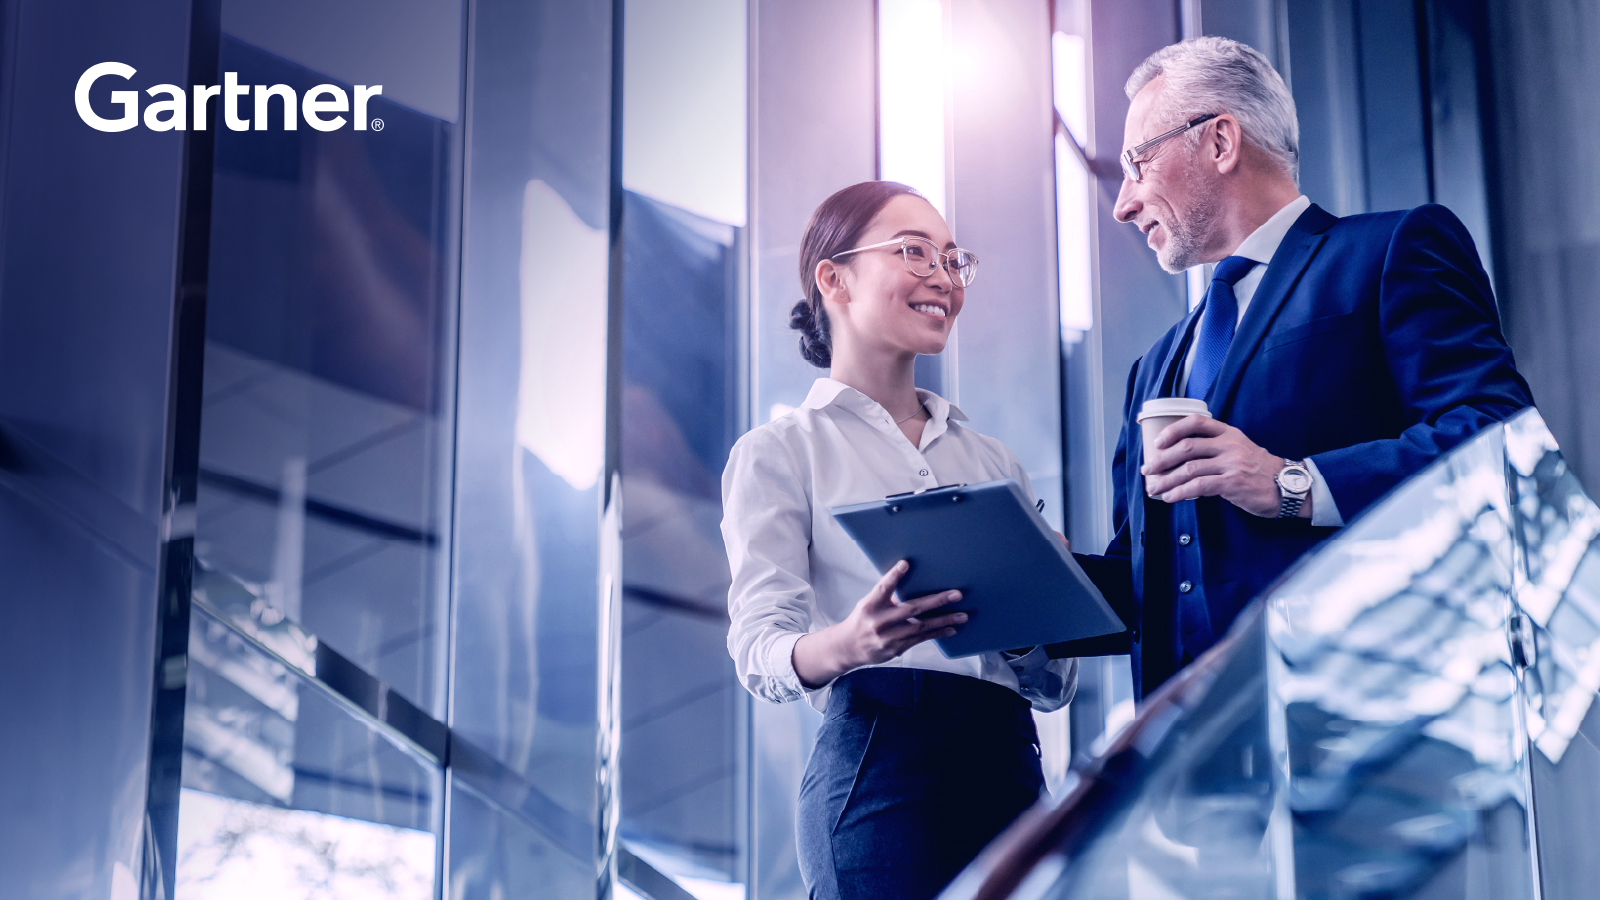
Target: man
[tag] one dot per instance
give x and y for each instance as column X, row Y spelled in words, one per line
column 1337, row 357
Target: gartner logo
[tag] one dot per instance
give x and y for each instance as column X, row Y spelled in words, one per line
column 322, row 106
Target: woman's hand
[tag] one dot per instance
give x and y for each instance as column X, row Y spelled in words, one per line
column 879, row 629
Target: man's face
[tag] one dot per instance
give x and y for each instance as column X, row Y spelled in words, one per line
column 1175, row 203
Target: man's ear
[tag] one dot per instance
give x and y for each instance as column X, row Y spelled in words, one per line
column 1225, row 145
column 830, row 281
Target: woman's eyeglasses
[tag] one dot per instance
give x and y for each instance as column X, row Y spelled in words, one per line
column 1133, row 167
column 923, row 258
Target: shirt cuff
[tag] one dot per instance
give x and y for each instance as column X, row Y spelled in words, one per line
column 1047, row 684
column 1033, row 659
column 1324, row 511
column 780, row 662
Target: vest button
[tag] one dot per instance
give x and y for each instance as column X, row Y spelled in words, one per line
column 1185, row 587
column 922, row 471
column 1184, row 539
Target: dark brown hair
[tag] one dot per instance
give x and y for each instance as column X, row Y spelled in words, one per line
column 835, row 227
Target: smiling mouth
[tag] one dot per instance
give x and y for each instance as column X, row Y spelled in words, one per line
column 930, row 309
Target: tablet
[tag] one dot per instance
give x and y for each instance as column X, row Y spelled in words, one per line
column 1019, row 586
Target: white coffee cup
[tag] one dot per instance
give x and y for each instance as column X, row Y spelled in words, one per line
column 1157, row 414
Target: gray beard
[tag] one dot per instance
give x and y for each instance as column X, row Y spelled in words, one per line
column 1186, row 238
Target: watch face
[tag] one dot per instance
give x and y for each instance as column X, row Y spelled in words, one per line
column 1295, row 481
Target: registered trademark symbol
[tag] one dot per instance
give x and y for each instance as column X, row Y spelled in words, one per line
column 377, row 124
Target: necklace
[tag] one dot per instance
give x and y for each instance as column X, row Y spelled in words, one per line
column 920, row 409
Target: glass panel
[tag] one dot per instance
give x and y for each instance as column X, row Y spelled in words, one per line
column 1406, row 763
column 1358, row 734
column 531, row 439
column 1197, row 826
column 681, row 704
column 1556, row 525
column 330, row 322
column 683, row 714
column 497, row 855
column 287, row 792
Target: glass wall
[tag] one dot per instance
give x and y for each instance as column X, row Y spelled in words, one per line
column 683, row 715
column 324, row 448
column 526, row 809
column 87, row 288
column 286, row 793
column 320, row 633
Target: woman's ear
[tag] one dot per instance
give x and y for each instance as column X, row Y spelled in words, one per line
column 830, row 281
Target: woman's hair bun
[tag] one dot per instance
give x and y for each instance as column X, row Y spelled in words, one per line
column 815, row 345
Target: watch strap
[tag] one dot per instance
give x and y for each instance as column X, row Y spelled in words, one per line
column 1289, row 506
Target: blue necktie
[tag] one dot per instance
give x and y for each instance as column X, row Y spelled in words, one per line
column 1217, row 323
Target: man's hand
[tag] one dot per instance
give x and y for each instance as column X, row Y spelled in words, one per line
column 1198, row 456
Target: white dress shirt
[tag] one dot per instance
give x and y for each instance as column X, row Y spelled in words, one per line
column 1260, row 246
column 795, row 570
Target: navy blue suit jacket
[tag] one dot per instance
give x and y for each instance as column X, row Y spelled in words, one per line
column 1371, row 345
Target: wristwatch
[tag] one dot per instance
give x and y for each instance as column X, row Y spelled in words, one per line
column 1294, row 483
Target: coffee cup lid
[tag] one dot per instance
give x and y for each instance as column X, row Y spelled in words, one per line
column 1172, row 406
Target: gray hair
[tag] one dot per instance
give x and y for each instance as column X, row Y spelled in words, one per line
column 1216, row 75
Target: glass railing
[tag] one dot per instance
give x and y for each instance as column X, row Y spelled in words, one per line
column 1409, row 713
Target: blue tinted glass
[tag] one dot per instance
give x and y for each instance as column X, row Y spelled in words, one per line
column 681, row 705
column 1556, row 526
column 325, row 431
column 288, row 792
column 496, row 854
column 1358, row 734
column 1405, row 759
column 683, row 716
column 531, row 439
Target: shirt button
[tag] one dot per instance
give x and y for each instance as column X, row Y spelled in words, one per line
column 1185, row 587
column 922, row 471
column 1184, row 539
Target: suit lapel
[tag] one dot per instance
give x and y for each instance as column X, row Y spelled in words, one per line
column 1171, row 367
column 1288, row 264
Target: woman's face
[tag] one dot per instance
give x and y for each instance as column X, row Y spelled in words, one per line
column 888, row 307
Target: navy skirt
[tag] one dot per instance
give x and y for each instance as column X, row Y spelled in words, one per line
column 914, row 773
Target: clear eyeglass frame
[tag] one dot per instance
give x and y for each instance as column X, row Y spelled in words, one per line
column 1133, row 166
column 923, row 257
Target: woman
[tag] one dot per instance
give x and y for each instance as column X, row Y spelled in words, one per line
column 921, row 760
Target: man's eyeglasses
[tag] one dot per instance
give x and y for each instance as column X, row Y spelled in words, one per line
column 923, row 258
column 1133, row 166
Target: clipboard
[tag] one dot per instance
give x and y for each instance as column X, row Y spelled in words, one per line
column 1019, row 586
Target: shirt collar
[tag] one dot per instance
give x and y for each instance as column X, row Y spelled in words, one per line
column 1263, row 242
column 827, row 392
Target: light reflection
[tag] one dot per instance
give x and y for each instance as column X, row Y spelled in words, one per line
column 1559, row 524
column 1073, row 257
column 233, row 850
column 1074, row 191
column 561, row 396
column 912, row 75
column 1069, row 63
column 684, row 106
